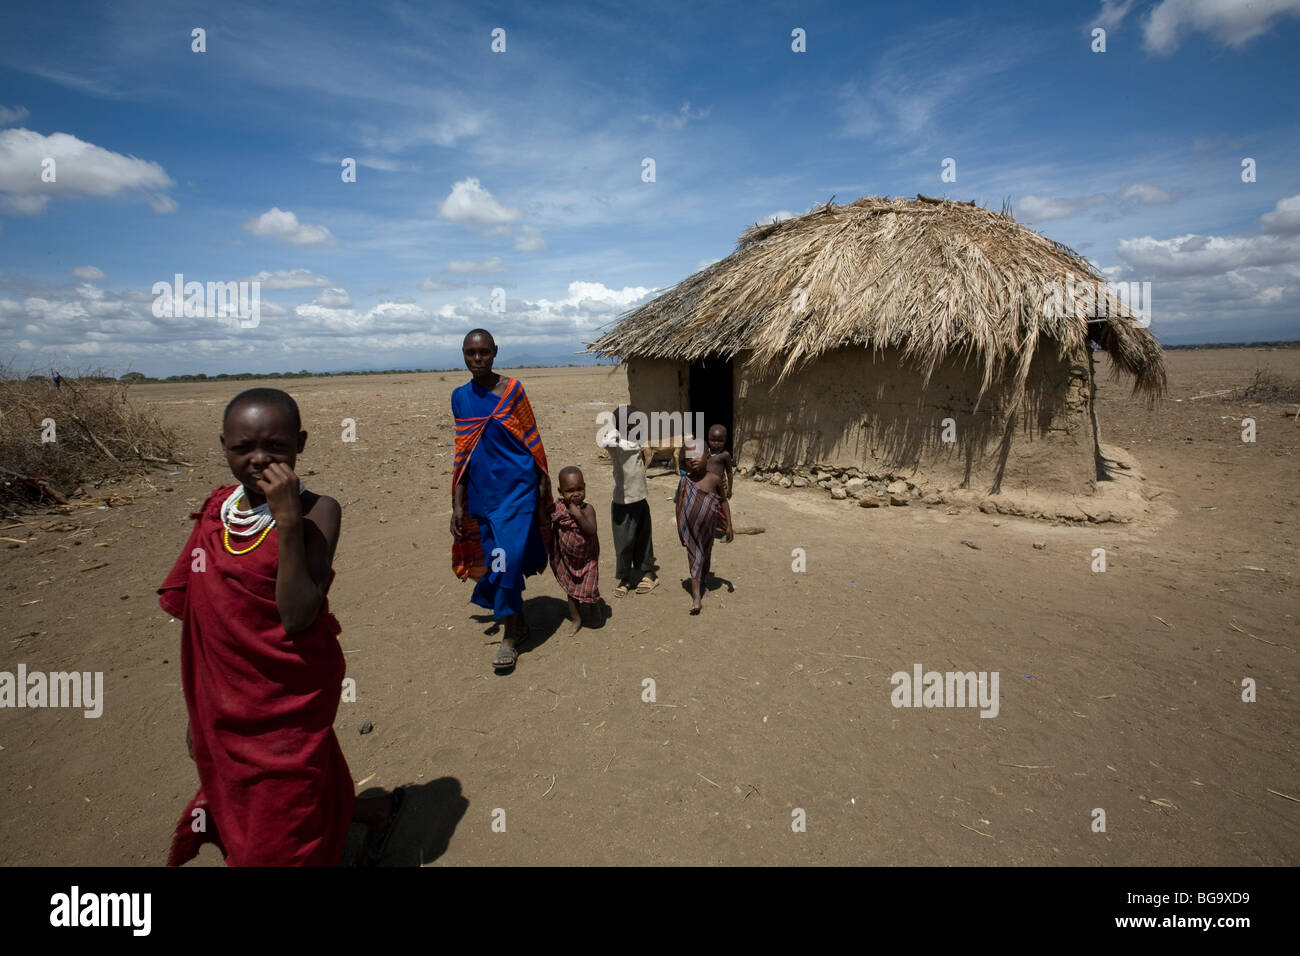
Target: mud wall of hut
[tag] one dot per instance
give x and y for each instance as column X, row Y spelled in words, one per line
column 658, row 385
column 854, row 409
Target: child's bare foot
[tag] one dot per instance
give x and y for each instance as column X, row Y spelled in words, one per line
column 576, row 626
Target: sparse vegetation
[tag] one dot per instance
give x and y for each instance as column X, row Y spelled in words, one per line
column 54, row 440
column 1268, row 386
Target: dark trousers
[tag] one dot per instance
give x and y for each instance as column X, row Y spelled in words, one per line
column 633, row 548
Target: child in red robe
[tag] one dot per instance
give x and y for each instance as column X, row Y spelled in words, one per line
column 261, row 665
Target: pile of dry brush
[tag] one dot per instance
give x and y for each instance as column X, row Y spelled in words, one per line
column 1268, row 386
column 56, row 440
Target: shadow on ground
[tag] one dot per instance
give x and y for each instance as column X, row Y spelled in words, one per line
column 423, row 829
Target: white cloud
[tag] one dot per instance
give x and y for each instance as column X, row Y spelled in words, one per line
column 431, row 284
column 674, row 120
column 333, row 299
column 163, row 204
column 456, row 121
column 283, row 226
column 915, row 84
column 89, row 273
column 486, row 267
column 777, row 216
column 595, row 293
column 1284, row 219
column 1146, row 195
column 469, row 204
column 13, row 114
column 23, row 205
column 529, row 239
column 587, row 308
column 1112, row 13
column 1231, row 22
column 332, row 313
column 288, row 279
column 80, row 169
column 1043, row 208
column 386, row 165
column 1193, row 255
column 55, row 323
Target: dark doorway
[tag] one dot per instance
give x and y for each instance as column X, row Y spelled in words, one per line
column 711, row 393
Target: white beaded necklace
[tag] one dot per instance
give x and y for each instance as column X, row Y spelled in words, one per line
column 251, row 521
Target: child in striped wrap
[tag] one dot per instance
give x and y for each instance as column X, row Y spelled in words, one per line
column 699, row 506
column 575, row 549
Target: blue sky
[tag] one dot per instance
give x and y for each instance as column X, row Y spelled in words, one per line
column 522, row 170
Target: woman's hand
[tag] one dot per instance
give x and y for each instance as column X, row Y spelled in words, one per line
column 457, row 513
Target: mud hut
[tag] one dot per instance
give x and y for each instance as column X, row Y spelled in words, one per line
column 925, row 339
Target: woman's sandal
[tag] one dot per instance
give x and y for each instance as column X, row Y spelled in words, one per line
column 647, row 585
column 506, row 657
column 621, row 591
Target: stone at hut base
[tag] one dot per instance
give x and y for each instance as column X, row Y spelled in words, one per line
column 839, row 494
column 855, row 487
column 898, row 487
column 869, row 501
column 899, row 500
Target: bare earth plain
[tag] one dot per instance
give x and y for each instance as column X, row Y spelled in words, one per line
column 1119, row 690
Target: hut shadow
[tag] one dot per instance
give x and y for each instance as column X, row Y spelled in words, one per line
column 423, row 830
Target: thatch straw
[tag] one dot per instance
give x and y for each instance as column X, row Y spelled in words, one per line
column 930, row 276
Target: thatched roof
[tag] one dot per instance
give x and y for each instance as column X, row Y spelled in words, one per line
column 931, row 276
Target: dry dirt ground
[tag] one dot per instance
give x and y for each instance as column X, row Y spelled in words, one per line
column 1119, row 690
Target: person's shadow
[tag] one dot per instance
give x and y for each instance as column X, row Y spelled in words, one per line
column 424, row 826
column 711, row 583
column 545, row 615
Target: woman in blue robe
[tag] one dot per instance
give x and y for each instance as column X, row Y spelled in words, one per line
column 502, row 486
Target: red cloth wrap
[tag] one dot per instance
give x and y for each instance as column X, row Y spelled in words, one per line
column 273, row 782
